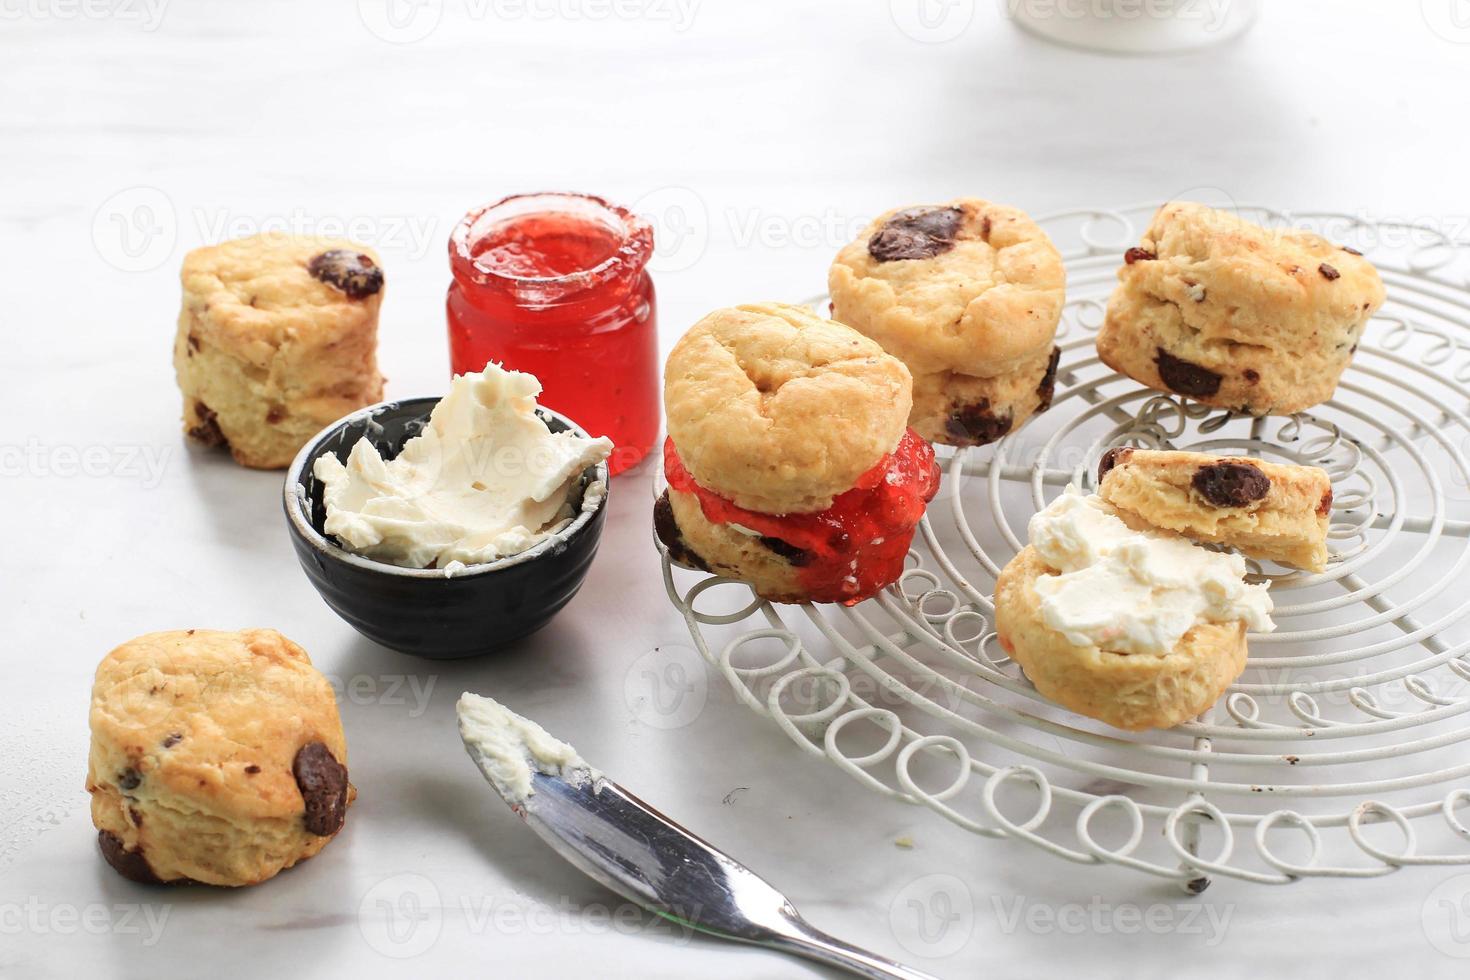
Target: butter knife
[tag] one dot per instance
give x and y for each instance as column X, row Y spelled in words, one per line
column 629, row 847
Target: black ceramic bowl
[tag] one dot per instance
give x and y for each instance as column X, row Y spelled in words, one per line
column 423, row 611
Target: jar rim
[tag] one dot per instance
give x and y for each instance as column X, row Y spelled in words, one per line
column 632, row 254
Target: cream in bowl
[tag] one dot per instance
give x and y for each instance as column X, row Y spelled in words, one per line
column 484, row 480
column 450, row 527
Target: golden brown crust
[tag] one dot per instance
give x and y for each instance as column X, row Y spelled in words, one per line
column 1172, row 490
column 1133, row 692
column 1237, row 316
column 194, row 737
column 780, row 410
column 983, row 307
column 266, row 354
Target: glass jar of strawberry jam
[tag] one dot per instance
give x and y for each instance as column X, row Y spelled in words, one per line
column 556, row 285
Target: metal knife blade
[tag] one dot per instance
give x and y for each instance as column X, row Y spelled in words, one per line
column 637, row 852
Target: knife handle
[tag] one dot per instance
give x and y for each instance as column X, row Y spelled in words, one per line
column 814, row 944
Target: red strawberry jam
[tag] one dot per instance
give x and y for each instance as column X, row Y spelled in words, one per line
column 854, row 548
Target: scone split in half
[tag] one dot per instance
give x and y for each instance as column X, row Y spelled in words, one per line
column 1271, row 511
column 789, row 461
column 1140, row 629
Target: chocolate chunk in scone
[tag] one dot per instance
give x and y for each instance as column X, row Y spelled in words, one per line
column 353, row 273
column 202, row 425
column 798, row 557
column 976, row 424
column 322, row 781
column 667, row 529
column 1047, row 387
column 1185, row 378
column 916, row 233
column 1231, row 484
column 132, row 865
column 1111, row 458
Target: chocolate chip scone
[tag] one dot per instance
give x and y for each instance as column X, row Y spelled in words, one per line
column 789, row 460
column 968, row 294
column 1230, row 314
column 277, row 339
column 1272, row 511
column 216, row 757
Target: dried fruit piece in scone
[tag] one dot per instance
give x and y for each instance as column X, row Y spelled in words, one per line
column 1271, row 511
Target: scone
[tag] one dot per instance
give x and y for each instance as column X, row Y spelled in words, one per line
column 967, row 294
column 1272, row 511
column 1236, row 316
column 216, row 757
column 1136, row 627
column 277, row 339
column 1130, row 691
column 789, row 461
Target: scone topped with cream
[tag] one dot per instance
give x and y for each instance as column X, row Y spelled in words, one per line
column 277, row 339
column 1136, row 627
column 1230, row 314
column 968, row 294
column 485, row 479
column 789, row 460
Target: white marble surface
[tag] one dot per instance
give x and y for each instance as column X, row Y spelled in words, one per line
column 766, row 130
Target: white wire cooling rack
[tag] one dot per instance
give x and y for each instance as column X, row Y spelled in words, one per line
column 1344, row 749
